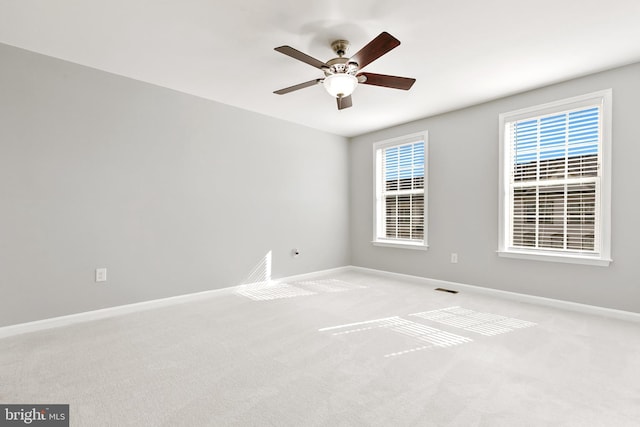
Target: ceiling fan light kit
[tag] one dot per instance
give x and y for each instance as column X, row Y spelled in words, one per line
column 340, row 85
column 342, row 75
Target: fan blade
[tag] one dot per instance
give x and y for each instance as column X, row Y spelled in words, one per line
column 375, row 49
column 296, row 54
column 393, row 82
column 297, row 87
column 344, row 102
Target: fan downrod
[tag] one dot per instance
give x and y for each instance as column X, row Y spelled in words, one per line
column 340, row 47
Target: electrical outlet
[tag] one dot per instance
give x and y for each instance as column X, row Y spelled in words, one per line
column 454, row 258
column 101, row 274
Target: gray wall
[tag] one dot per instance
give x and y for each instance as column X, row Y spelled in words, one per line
column 172, row 193
column 176, row 194
column 463, row 202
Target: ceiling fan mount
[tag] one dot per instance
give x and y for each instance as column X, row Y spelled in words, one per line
column 340, row 47
column 342, row 74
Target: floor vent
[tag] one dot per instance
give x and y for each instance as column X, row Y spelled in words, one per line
column 446, row 290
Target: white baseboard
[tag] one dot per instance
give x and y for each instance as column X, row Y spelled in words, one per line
column 531, row 299
column 55, row 322
column 315, row 274
column 119, row 310
column 103, row 313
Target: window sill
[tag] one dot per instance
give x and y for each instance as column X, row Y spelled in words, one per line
column 401, row 245
column 556, row 257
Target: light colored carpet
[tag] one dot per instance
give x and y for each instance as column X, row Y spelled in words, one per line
column 347, row 350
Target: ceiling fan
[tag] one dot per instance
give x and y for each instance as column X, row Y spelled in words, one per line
column 342, row 75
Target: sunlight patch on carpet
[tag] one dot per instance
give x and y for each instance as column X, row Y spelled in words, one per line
column 271, row 291
column 327, row 285
column 482, row 323
column 419, row 332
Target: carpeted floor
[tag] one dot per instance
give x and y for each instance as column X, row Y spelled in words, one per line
column 351, row 349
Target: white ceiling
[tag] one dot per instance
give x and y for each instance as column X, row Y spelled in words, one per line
column 461, row 52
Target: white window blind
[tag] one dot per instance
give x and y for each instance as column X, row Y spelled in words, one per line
column 554, row 180
column 400, row 188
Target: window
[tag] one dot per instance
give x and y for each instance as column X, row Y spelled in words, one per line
column 554, row 179
column 400, row 198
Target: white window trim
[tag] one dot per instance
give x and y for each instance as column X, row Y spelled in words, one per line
column 603, row 97
column 401, row 244
column 377, row 206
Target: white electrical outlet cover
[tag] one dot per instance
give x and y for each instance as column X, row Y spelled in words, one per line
column 101, row 274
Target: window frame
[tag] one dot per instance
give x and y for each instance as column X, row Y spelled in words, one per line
column 601, row 98
column 379, row 215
